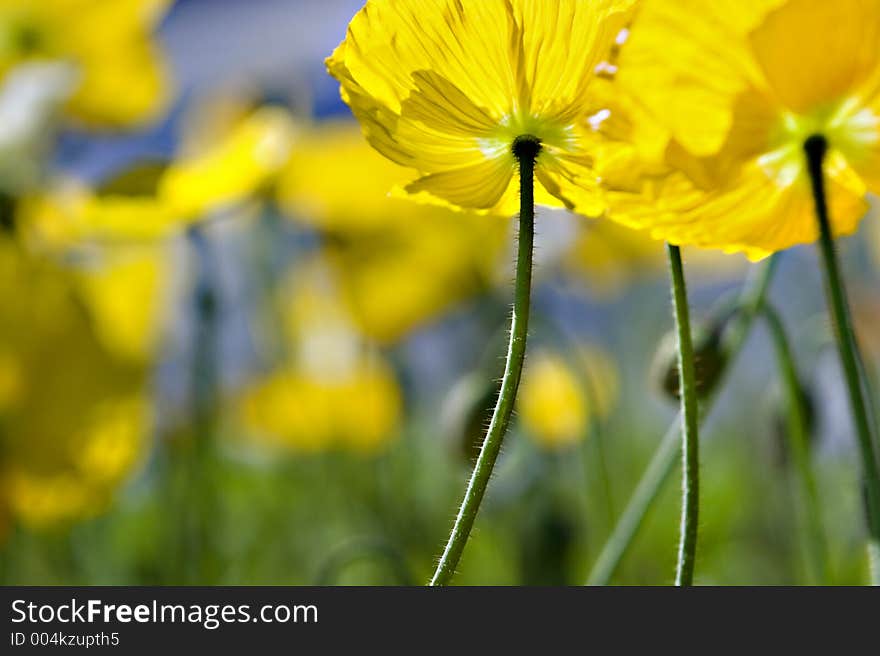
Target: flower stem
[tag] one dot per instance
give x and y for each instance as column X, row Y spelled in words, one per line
column 816, row 548
column 665, row 458
column 690, row 425
column 526, row 151
column 816, row 147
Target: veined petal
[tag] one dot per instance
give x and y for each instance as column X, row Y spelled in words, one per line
column 687, row 60
column 573, row 181
column 552, row 80
column 388, row 40
column 753, row 215
column 481, row 185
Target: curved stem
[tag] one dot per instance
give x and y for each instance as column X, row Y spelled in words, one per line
column 526, row 152
column 665, row 458
column 816, row 548
column 816, row 147
column 690, row 425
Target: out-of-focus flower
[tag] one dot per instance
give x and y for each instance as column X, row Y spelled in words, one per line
column 607, row 256
column 552, row 404
column 126, row 289
column 739, row 87
column 558, row 396
column 399, row 265
column 73, row 419
column 335, row 391
column 445, row 87
column 218, row 174
column 152, row 201
column 121, row 78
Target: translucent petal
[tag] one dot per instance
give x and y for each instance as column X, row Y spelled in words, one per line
column 752, row 215
column 687, row 60
column 814, row 53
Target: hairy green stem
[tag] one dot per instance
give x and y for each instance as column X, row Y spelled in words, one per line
column 526, row 150
column 690, row 425
column 798, row 432
column 816, row 148
column 665, row 457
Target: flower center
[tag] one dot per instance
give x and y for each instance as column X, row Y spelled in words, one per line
column 528, row 135
column 846, row 128
column 526, row 147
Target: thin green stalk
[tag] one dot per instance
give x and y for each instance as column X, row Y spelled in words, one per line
column 526, row 150
column 690, row 425
column 665, row 458
column 798, row 433
column 192, row 462
column 816, row 147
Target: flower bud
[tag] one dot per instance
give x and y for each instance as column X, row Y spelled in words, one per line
column 710, row 358
column 467, row 411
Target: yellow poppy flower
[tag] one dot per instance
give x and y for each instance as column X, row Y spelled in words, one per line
column 399, row 265
column 445, row 87
column 122, row 79
column 335, row 390
column 74, row 418
column 739, row 87
column 153, row 201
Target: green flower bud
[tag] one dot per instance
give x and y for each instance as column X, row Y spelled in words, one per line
column 710, row 358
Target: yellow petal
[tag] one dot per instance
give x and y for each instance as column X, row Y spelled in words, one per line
column 687, row 61
column 752, row 215
column 239, row 166
column 814, row 53
column 481, row 185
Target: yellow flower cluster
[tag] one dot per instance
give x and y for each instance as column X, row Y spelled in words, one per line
column 73, row 415
column 685, row 118
column 151, row 202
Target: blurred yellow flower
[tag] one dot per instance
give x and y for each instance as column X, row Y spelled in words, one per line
column 607, row 256
column 126, row 291
column 445, row 87
column 152, row 201
column 399, row 265
column 122, row 79
column 358, row 413
column 240, row 165
column 335, row 391
column 74, row 420
column 739, row 87
column 559, row 396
